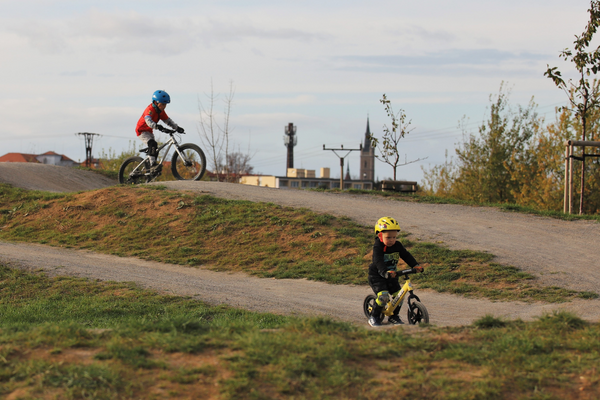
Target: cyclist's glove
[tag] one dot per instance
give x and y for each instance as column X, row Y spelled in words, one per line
column 418, row 268
column 180, row 130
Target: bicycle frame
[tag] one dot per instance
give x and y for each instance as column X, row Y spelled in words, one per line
column 397, row 300
column 161, row 159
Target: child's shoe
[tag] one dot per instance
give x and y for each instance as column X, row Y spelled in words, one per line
column 374, row 322
column 395, row 320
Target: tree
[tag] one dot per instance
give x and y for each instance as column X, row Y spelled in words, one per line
column 239, row 164
column 486, row 164
column 582, row 96
column 213, row 135
column 388, row 148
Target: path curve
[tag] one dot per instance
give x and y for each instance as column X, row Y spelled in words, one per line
column 562, row 253
column 281, row 296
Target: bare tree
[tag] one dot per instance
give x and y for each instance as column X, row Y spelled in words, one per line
column 391, row 138
column 225, row 129
column 210, row 133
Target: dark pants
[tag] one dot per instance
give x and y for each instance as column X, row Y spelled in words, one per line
column 380, row 284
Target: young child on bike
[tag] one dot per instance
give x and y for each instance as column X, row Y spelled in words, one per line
column 149, row 121
column 383, row 277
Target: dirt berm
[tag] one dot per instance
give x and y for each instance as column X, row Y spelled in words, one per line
column 561, row 253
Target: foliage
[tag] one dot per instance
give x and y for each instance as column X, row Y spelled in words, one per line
column 111, row 161
column 486, row 164
column 388, row 145
column 517, row 160
column 583, row 96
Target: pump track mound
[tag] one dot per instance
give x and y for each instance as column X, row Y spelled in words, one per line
column 559, row 253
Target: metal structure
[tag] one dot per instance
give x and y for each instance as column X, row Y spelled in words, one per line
column 89, row 140
column 290, row 140
column 569, row 157
column 342, row 160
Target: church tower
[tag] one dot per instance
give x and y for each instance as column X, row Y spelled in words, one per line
column 367, row 158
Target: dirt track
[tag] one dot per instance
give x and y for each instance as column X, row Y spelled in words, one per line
column 559, row 252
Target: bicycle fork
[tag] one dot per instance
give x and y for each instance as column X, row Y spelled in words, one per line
column 397, row 300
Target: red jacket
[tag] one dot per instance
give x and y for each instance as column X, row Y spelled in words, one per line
column 142, row 126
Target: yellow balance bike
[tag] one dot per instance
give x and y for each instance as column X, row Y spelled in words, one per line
column 417, row 313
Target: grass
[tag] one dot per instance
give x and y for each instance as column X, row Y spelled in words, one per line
column 261, row 239
column 75, row 339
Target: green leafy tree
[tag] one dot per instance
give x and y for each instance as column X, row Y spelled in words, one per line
column 486, row 163
column 531, row 174
column 389, row 142
column 582, row 94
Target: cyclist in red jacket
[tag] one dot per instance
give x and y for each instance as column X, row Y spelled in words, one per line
column 149, row 121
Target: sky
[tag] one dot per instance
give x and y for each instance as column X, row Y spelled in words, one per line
column 91, row 66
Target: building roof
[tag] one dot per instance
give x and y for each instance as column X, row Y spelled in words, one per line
column 62, row 156
column 19, row 157
column 31, row 158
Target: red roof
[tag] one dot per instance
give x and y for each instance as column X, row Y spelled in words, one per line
column 52, row 153
column 19, row 157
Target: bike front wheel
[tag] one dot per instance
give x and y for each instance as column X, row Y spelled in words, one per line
column 369, row 304
column 418, row 314
column 191, row 168
column 131, row 173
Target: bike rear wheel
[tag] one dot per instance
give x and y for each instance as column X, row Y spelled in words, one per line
column 191, row 169
column 368, row 305
column 128, row 174
column 418, row 314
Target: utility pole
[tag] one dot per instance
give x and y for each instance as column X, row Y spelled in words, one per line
column 290, row 140
column 342, row 161
column 89, row 139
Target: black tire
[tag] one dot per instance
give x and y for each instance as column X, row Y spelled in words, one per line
column 195, row 170
column 418, row 315
column 368, row 305
column 128, row 176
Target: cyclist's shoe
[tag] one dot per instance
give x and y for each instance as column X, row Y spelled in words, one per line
column 395, row 320
column 374, row 322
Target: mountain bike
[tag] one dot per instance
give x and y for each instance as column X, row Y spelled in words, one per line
column 187, row 163
column 417, row 313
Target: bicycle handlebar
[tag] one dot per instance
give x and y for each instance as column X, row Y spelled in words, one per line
column 168, row 131
column 407, row 271
column 404, row 272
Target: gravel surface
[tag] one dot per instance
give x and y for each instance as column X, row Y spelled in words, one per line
column 51, row 178
column 562, row 253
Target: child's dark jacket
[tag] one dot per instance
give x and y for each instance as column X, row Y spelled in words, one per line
column 386, row 259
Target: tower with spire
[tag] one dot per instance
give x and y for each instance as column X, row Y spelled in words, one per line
column 367, row 158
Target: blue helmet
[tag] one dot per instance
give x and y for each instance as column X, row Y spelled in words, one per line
column 161, row 96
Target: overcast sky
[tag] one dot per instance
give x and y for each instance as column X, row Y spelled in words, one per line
column 92, row 66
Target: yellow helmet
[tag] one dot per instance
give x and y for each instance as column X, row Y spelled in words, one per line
column 386, row 224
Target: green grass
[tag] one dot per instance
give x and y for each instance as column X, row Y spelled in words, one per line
column 261, row 239
column 76, row 339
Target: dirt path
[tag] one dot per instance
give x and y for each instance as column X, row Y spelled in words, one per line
column 283, row 296
column 51, row 178
column 561, row 253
